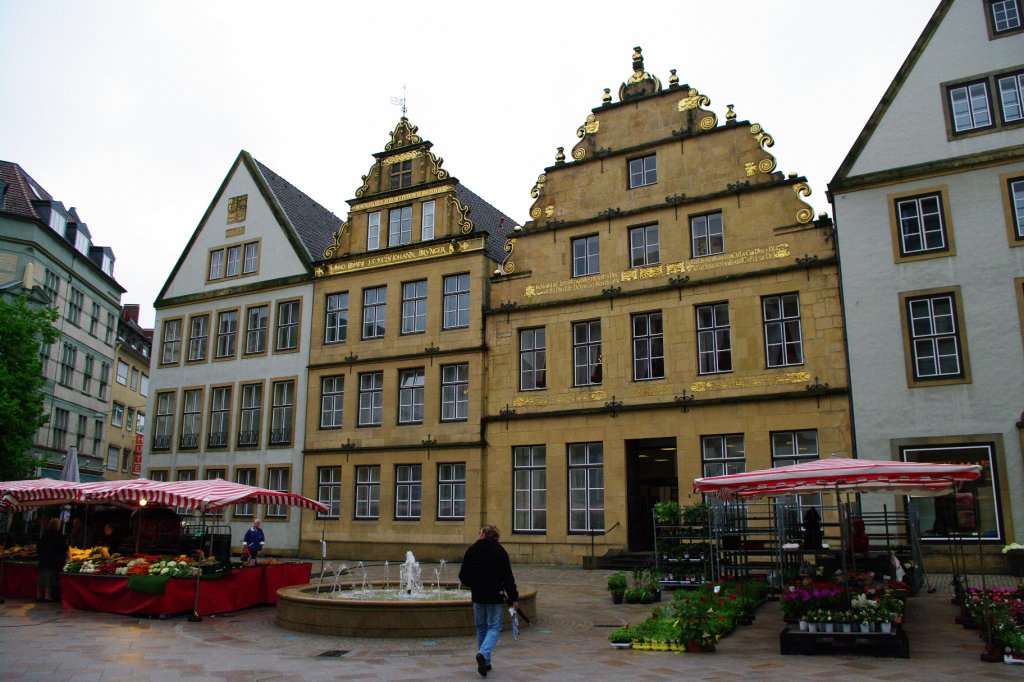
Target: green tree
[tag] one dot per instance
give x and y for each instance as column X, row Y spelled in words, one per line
column 23, row 329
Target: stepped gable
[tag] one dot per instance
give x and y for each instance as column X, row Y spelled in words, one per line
column 313, row 223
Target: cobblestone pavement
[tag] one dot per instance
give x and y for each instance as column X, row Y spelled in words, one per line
column 567, row 641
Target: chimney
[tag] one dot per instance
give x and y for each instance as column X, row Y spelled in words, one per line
column 130, row 312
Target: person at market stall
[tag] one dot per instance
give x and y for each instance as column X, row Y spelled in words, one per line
column 53, row 554
column 109, row 538
column 487, row 571
column 253, row 541
column 79, row 536
column 860, row 543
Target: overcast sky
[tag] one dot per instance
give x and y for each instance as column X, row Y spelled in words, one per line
column 133, row 111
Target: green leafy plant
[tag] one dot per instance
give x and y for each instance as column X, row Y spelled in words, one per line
column 621, row 636
column 696, row 513
column 667, row 512
column 617, row 583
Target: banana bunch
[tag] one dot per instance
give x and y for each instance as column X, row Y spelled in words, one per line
column 76, row 554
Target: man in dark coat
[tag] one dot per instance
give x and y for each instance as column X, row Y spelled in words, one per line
column 52, row 551
column 253, row 541
column 487, row 571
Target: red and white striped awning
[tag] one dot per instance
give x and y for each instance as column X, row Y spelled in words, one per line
column 204, row 495
column 917, row 479
column 39, row 492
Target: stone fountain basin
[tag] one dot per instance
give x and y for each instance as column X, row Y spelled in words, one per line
column 305, row 609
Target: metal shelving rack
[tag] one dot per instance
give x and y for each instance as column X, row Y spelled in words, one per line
column 685, row 554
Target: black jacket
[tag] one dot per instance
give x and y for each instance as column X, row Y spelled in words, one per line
column 52, row 550
column 487, row 571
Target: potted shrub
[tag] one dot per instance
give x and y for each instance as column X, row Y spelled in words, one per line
column 617, row 586
column 667, row 513
column 695, row 514
column 621, row 638
column 1015, row 556
column 639, row 595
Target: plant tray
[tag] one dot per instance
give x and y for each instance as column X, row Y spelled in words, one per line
column 880, row 644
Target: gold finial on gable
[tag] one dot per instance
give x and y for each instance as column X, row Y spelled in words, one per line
column 403, row 135
column 641, row 82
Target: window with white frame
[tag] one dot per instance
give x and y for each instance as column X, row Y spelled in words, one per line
column 723, row 455
column 216, row 270
column 159, row 475
column 427, row 220
column 586, row 487
column 1005, row 15
column 198, row 336
column 707, row 235
column 451, row 491
column 245, row 476
column 1011, row 96
column 122, row 373
column 171, row 342
column 373, row 231
column 586, row 353
column 934, row 336
column 68, row 359
column 108, row 336
column 332, row 397
column 368, row 492
column 250, row 419
column 51, row 285
column 410, row 396
column 60, row 427
column 586, row 256
column 282, row 412
column 329, row 491
column 788, row 448
column 220, row 417
column 191, row 418
column 783, row 336
column 144, row 385
column 1016, row 188
column 287, row 326
column 97, row 434
column 970, row 107
column 400, row 226
column 140, row 422
column 278, row 478
column 256, row 329
column 375, row 302
column 921, row 224
column 644, row 248
column 530, row 489
column 336, row 318
column 251, row 258
column 532, row 359
column 714, row 338
column 83, row 424
column 456, row 301
column 227, row 333
column 134, row 383
column 643, row 171
column 163, row 428
column 113, row 453
column 117, row 415
column 455, row 392
column 414, row 307
column 371, row 398
column 94, row 318
column 233, row 261
column 129, row 419
column 648, row 347
column 104, row 380
column 408, row 491
column 75, row 302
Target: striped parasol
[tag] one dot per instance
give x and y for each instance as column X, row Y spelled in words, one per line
column 205, row 495
column 917, row 479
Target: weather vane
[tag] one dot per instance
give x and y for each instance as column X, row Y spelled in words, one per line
column 401, row 102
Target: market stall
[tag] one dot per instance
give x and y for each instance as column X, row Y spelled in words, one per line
column 154, row 585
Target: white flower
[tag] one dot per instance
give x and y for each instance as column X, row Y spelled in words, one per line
column 164, row 571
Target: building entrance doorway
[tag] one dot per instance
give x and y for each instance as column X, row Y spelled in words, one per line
column 651, row 476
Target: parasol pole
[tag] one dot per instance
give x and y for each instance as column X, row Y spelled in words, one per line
column 842, row 547
column 195, row 617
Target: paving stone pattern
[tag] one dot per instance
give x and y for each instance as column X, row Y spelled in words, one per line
column 567, row 641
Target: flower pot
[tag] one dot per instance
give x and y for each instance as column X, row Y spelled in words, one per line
column 1016, row 561
column 847, row 627
column 803, row 626
column 865, row 627
column 617, row 597
column 812, row 627
column 886, row 627
column 830, row 627
column 693, row 646
column 622, row 645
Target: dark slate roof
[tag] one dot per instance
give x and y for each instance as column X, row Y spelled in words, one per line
column 18, row 197
column 489, row 219
column 313, row 223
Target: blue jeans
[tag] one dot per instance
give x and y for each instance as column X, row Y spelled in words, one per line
column 488, row 626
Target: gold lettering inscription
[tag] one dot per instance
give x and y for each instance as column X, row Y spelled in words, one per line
column 403, row 198
column 752, row 381
column 651, row 390
column 542, row 401
column 234, row 231
column 566, row 286
column 383, row 260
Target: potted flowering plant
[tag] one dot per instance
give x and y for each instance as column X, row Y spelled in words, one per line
column 1015, row 556
column 621, row 638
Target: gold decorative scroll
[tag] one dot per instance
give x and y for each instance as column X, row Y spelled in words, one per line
column 464, row 221
column 403, row 135
column 332, row 250
column 591, row 126
column 724, row 260
column 558, row 399
column 751, row 381
column 407, row 197
column 509, row 266
column 404, row 156
column 363, row 187
column 805, row 214
column 693, row 100
column 435, row 167
column 369, row 262
column 764, row 166
column 539, row 186
column 763, row 138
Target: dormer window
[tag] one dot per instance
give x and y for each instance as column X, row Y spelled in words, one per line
column 401, row 174
column 57, row 221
